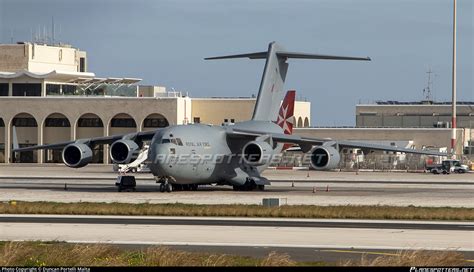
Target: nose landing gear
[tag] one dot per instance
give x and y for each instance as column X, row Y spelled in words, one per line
column 165, row 185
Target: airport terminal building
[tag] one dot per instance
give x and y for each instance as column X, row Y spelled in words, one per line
column 48, row 94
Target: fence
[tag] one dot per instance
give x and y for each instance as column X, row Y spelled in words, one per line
column 374, row 161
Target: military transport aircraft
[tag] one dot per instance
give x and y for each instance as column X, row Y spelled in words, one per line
column 185, row 156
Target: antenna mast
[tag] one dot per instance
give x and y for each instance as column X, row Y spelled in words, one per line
column 427, row 95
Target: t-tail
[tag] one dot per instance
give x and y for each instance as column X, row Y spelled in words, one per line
column 271, row 91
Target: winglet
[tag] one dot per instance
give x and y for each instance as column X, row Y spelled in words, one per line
column 15, row 139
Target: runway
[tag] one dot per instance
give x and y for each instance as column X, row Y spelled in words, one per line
column 238, row 221
column 303, row 239
column 96, row 184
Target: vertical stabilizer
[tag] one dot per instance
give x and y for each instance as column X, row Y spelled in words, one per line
column 271, row 92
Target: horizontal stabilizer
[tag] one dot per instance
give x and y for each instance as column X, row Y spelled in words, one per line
column 289, row 55
column 297, row 55
column 256, row 55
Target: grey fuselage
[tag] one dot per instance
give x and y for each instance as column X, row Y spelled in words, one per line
column 203, row 154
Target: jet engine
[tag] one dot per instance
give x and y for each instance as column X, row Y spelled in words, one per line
column 324, row 158
column 257, row 153
column 124, row 151
column 77, row 155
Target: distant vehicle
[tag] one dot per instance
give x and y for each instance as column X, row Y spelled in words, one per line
column 138, row 165
column 447, row 167
column 123, row 168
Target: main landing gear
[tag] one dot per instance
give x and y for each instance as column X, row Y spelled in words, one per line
column 166, row 186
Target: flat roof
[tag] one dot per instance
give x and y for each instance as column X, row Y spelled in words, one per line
column 70, row 77
column 419, row 103
column 63, row 75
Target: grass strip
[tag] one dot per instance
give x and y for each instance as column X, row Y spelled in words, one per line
column 287, row 211
column 64, row 254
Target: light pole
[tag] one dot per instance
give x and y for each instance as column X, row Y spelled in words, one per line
column 453, row 103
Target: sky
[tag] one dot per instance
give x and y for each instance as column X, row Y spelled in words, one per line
column 164, row 43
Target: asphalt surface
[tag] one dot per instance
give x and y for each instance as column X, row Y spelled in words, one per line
column 240, row 222
column 95, row 183
column 309, row 240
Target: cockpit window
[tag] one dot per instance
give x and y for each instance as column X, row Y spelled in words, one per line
column 176, row 141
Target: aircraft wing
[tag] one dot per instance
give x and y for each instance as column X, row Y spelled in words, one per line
column 145, row 135
column 306, row 143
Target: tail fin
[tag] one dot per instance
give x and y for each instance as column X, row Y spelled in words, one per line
column 285, row 116
column 273, row 78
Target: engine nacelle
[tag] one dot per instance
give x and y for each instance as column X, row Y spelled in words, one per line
column 77, row 155
column 257, row 153
column 124, row 151
column 324, row 158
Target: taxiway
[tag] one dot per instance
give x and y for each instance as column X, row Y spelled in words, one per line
column 303, row 239
column 293, row 187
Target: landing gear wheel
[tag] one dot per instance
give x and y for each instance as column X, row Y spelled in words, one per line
column 168, row 187
column 261, row 187
column 162, row 187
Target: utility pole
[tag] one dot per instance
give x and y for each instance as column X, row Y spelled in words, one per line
column 453, row 104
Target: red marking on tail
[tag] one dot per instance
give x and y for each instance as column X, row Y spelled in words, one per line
column 285, row 115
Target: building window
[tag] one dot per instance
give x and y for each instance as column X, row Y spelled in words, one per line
column 82, row 64
column 226, row 120
column 24, row 122
column 232, row 120
column 26, row 89
column 69, row 89
column 2, row 124
column 197, row 120
column 57, row 122
column 52, row 89
column 155, row 122
column 123, row 122
column 3, row 89
column 90, row 122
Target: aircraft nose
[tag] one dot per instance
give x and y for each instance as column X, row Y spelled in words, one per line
column 160, row 153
